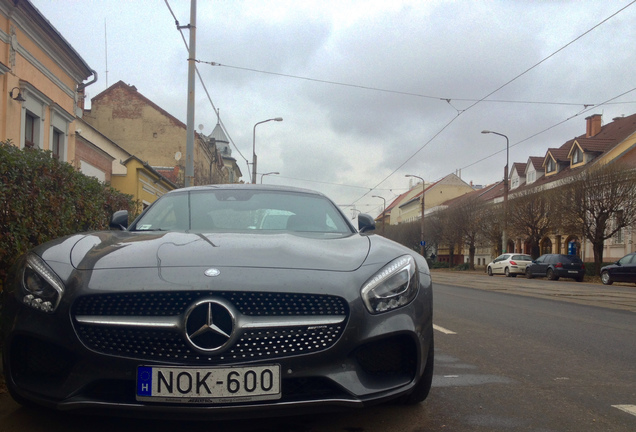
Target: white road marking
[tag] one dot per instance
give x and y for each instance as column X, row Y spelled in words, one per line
column 443, row 330
column 631, row 409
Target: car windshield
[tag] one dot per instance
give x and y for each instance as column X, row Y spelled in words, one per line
column 233, row 210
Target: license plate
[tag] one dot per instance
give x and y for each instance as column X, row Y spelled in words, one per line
column 208, row 385
column 572, row 271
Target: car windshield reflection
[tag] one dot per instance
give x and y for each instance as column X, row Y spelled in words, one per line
column 243, row 211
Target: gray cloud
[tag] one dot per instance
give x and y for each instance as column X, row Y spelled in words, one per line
column 345, row 140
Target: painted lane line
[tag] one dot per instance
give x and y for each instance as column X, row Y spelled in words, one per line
column 443, row 330
column 631, row 409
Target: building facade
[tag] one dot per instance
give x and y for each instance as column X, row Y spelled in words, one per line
column 42, row 82
column 147, row 131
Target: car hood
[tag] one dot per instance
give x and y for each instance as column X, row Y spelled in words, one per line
column 113, row 250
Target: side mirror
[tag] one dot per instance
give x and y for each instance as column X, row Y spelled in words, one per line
column 119, row 220
column 365, row 223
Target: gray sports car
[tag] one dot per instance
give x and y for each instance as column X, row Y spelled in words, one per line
column 221, row 300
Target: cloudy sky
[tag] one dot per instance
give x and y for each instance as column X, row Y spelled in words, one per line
column 370, row 90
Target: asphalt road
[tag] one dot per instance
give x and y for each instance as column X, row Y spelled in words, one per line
column 511, row 355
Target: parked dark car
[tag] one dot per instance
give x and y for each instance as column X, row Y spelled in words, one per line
column 555, row 266
column 623, row 270
column 200, row 308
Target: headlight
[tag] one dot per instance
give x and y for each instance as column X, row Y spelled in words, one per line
column 43, row 289
column 394, row 286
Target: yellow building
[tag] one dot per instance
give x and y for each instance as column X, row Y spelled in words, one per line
column 42, row 82
column 141, row 181
column 409, row 207
column 110, row 163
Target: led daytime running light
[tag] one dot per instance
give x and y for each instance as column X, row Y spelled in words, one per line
column 389, row 270
column 394, row 286
column 55, row 286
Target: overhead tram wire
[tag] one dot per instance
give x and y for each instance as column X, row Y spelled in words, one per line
column 580, row 113
column 185, row 42
column 497, row 89
column 398, row 92
column 483, row 99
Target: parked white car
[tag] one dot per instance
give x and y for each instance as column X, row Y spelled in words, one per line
column 509, row 264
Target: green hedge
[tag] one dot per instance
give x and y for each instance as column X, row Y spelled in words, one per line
column 42, row 198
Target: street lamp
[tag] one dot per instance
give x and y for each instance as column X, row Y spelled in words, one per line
column 504, row 241
column 422, row 249
column 383, row 210
column 269, row 173
column 254, row 146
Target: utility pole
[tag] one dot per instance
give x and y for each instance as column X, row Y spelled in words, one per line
column 189, row 171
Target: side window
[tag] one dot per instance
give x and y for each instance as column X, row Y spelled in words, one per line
column 58, row 132
column 57, row 145
column 30, row 131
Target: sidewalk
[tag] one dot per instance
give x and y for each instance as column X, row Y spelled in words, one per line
column 617, row 296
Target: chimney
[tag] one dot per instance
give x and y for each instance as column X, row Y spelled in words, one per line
column 593, row 126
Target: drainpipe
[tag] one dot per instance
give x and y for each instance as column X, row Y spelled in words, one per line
column 82, row 86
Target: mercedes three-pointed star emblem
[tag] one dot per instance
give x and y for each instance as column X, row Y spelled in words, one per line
column 209, row 325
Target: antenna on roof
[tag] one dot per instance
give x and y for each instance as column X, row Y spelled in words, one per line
column 106, row 50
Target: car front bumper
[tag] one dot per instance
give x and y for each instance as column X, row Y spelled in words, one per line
column 374, row 358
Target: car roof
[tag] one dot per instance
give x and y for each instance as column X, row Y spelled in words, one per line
column 247, row 186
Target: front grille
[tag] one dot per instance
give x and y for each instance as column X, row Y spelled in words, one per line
column 174, row 303
column 169, row 345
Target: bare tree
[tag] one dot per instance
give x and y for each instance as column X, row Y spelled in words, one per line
column 466, row 213
column 598, row 203
column 408, row 234
column 491, row 223
column 446, row 224
column 532, row 216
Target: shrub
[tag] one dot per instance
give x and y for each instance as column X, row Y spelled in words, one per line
column 42, row 199
column 590, row 269
column 463, row 267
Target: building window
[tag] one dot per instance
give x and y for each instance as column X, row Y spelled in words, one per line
column 618, row 237
column 551, row 167
column 30, row 133
column 577, row 157
column 59, row 130
column 58, row 144
column 34, row 110
column 546, row 246
column 531, row 176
